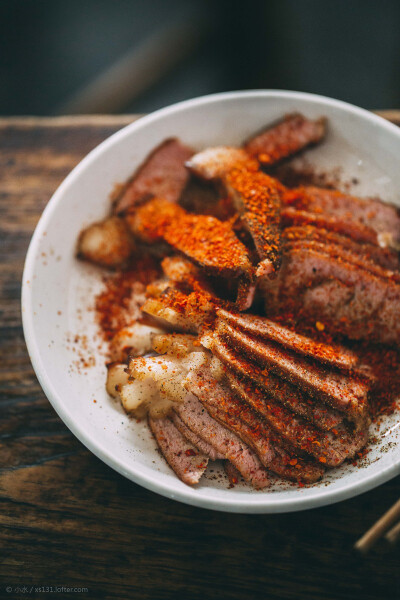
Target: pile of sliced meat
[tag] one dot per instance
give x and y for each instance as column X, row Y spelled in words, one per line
column 247, row 348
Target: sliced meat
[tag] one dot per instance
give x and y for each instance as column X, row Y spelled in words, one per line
column 285, row 138
column 163, row 174
column 356, row 231
column 208, row 242
column 345, row 298
column 188, row 463
column 343, row 392
column 321, row 414
column 380, row 216
column 384, row 257
column 194, row 415
column 328, row 448
column 195, row 439
column 337, row 252
column 257, row 198
column 335, row 355
column 223, row 406
column 255, row 195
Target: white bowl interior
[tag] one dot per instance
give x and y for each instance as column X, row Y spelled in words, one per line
column 58, row 290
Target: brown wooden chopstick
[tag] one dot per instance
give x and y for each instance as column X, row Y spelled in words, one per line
column 393, row 535
column 379, row 528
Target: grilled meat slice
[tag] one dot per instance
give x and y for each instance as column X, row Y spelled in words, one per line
column 324, row 417
column 162, row 174
column 380, row 216
column 294, row 133
column 327, row 447
column 339, row 253
column 184, row 458
column 345, row 393
column 384, row 257
column 204, row 447
column 345, row 298
column 205, row 240
column 194, row 415
column 255, row 195
column 334, row 355
column 257, row 198
column 356, row 231
column 232, row 413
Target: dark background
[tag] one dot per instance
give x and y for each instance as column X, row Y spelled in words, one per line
column 51, row 52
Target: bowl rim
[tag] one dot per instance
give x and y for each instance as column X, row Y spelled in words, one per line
column 265, row 503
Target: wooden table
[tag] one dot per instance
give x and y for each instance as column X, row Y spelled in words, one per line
column 68, row 519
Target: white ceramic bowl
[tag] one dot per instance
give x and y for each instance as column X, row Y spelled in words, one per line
column 58, row 290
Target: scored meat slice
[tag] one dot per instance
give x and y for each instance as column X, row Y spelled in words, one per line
column 285, row 138
column 343, row 392
column 335, row 355
column 384, row 257
column 187, row 462
column 162, row 174
column 345, row 298
column 204, row 447
column 194, row 415
column 380, row 216
column 321, row 414
column 225, row 408
column 255, row 195
column 327, row 447
column 356, row 231
column 342, row 254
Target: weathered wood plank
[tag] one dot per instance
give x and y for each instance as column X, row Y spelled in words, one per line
column 68, row 519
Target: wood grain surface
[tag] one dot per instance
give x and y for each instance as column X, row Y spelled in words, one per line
column 69, row 520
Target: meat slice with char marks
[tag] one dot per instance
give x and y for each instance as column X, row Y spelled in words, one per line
column 356, row 231
column 327, row 447
column 285, row 138
column 381, row 217
column 187, row 462
column 337, row 252
column 345, row 393
column 163, row 174
column 321, row 414
column 384, row 257
column 197, row 419
column 347, row 299
column 234, row 414
column 334, row 355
